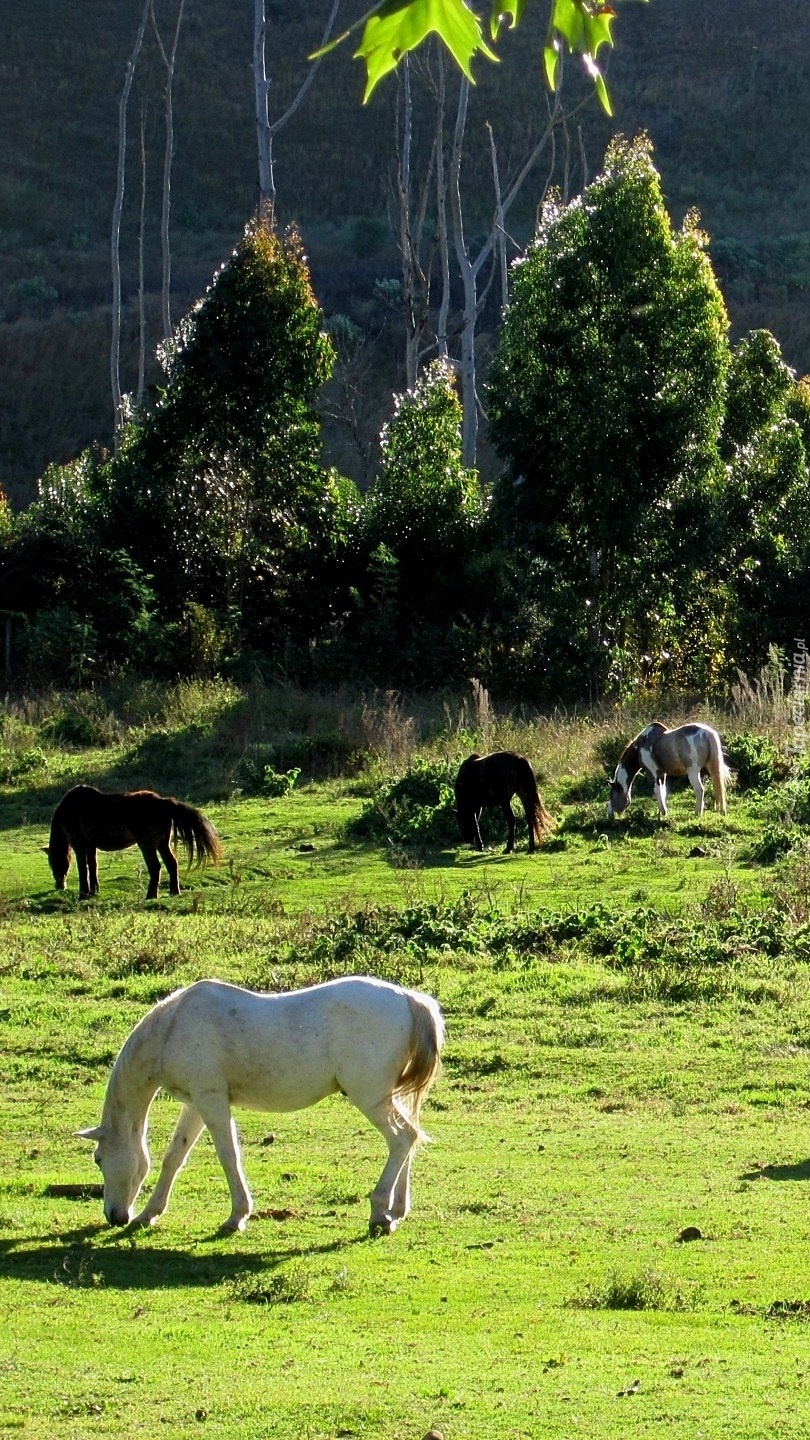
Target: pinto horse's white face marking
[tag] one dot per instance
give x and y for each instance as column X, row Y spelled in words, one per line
column 124, row 1165
column 619, row 793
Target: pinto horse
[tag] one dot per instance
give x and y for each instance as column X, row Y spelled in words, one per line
column 485, row 780
column 690, row 750
column 87, row 820
column 214, row 1045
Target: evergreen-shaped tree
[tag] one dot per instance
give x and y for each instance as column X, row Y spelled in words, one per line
column 606, row 400
column 217, row 489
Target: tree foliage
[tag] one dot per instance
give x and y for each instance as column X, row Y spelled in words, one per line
column 420, row 526
column 606, row 402
column 217, row 488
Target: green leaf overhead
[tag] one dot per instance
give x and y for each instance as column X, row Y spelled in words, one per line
column 393, row 27
column 400, row 25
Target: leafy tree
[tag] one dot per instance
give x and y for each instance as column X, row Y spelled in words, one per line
column 420, row 525
column 759, row 383
column 606, row 401
column 88, row 606
column 765, row 542
column 217, row 490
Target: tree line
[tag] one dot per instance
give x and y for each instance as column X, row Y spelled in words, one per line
column 649, row 529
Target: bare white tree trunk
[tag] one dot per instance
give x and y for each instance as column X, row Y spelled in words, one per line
column 261, row 86
column 141, row 295
column 265, row 130
column 415, row 274
column 469, row 285
column 441, row 213
column 470, row 269
column 168, row 154
column 500, row 221
column 115, row 243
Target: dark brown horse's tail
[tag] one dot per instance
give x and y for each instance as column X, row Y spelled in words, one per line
column 540, row 819
column 196, row 833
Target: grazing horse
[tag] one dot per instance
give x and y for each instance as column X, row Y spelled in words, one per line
column 485, row 780
column 87, row 820
column 214, row 1045
column 690, row 750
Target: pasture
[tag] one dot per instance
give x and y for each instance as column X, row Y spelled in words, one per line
column 609, row 1234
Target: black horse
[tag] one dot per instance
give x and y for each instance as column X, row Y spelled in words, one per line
column 87, row 820
column 485, row 780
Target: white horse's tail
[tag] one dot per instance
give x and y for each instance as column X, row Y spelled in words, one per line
column 423, row 1059
column 718, row 769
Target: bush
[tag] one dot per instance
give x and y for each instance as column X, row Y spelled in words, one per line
column 417, row 808
column 756, row 761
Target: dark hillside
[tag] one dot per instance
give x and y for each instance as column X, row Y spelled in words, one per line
column 721, row 87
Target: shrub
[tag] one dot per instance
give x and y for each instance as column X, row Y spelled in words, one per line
column 415, row 808
column 756, row 761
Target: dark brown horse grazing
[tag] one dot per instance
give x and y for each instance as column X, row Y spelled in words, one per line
column 87, row 820
column 485, row 780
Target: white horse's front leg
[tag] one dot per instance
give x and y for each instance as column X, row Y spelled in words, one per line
column 187, row 1132
column 391, row 1198
column 696, row 781
column 220, row 1122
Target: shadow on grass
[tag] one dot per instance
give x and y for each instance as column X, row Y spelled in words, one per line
column 92, row 1257
column 799, row 1171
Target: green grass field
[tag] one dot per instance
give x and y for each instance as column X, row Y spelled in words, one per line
column 610, row 1227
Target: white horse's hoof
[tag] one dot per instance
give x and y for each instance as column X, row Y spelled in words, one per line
column 234, row 1224
column 144, row 1220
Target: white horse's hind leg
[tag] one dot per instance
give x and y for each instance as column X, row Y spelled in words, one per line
column 696, row 781
column 391, row 1196
column 660, row 789
column 187, row 1132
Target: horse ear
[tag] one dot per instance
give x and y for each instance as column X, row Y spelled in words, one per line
column 94, row 1133
column 45, row 850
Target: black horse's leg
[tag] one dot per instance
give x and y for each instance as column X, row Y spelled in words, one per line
column 527, row 810
column 92, row 869
column 509, row 815
column 169, row 859
column 153, row 866
column 81, row 866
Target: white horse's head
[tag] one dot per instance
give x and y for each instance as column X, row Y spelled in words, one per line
column 124, row 1164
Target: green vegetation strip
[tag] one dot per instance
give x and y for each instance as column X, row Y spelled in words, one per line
column 609, row 1232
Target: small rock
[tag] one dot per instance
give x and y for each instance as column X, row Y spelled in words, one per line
column 690, row 1233
column 269, row 1139
column 433, row 1435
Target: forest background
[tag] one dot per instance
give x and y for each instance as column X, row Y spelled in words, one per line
column 228, row 527
column 724, row 98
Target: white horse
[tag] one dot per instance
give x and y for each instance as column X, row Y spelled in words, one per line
column 214, row 1045
column 687, row 750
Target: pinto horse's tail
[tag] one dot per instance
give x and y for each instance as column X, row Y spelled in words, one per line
column 718, row 770
column 541, row 821
column 196, row 833
column 423, row 1059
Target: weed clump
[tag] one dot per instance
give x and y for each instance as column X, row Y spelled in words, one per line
column 645, row 1290
column 416, row 808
